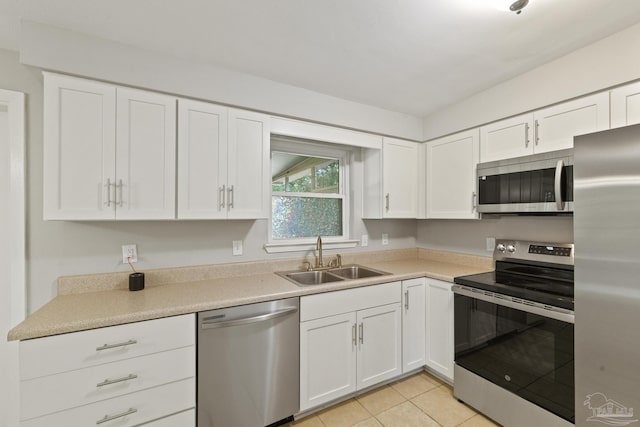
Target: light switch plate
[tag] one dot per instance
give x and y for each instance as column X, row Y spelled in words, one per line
column 364, row 241
column 237, row 247
column 385, row 238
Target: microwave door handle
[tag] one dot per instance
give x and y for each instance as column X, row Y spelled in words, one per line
column 558, row 185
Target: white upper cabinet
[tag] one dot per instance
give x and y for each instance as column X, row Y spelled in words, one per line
column 548, row 129
column 556, row 126
column 400, row 178
column 507, row 138
column 202, row 159
column 223, row 162
column 109, row 152
column 249, row 173
column 145, row 155
column 391, row 180
column 625, row 105
column 451, row 175
column 79, row 148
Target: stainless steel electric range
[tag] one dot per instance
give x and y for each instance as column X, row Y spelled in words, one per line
column 514, row 330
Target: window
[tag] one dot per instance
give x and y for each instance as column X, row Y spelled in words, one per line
column 308, row 191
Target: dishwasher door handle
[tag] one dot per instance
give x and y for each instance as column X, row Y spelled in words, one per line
column 209, row 323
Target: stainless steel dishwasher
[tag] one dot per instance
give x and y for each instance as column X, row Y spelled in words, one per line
column 248, row 364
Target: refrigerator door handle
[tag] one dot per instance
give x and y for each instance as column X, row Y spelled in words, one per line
column 558, row 185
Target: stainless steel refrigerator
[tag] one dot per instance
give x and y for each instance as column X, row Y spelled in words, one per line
column 607, row 277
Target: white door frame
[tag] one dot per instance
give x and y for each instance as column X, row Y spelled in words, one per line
column 15, row 104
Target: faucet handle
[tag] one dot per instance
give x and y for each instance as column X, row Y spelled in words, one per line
column 339, row 260
column 308, row 265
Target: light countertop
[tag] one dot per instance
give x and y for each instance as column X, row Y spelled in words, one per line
column 94, row 301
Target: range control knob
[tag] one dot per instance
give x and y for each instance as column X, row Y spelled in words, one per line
column 511, row 248
column 500, row 247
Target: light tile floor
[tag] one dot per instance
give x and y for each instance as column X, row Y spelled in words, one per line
column 418, row 401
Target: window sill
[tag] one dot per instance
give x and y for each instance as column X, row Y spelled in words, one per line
column 274, row 248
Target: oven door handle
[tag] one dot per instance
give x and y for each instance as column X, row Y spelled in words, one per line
column 515, row 303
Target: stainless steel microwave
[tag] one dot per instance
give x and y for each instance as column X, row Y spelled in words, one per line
column 536, row 184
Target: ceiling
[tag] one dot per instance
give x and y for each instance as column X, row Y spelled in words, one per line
column 409, row 56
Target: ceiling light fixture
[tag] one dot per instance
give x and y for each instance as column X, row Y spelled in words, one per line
column 518, row 5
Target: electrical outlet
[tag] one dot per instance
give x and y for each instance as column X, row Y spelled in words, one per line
column 129, row 253
column 491, row 243
column 364, row 241
column 385, row 238
column 237, row 247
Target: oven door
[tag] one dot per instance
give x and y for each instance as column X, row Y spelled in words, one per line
column 517, row 347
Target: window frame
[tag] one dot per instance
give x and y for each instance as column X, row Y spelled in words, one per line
column 322, row 150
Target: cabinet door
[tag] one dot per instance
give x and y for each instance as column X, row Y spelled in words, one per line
column 202, row 160
column 413, row 324
column 439, row 325
column 557, row 125
column 625, row 105
column 507, row 138
column 146, row 155
column 249, row 173
column 451, row 176
column 379, row 344
column 79, row 148
column 400, row 178
column 327, row 359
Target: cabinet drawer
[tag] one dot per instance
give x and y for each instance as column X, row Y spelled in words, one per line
column 332, row 303
column 183, row 419
column 149, row 405
column 41, row 396
column 61, row 353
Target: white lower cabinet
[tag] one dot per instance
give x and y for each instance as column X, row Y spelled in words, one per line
column 413, row 324
column 117, row 376
column 439, row 328
column 379, row 344
column 327, row 359
column 349, row 340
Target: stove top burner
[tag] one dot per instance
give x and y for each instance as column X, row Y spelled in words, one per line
column 529, row 274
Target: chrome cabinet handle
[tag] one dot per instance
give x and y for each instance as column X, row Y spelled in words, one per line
column 221, row 195
column 406, row 300
column 526, row 135
column 537, row 132
column 231, row 197
column 386, row 205
column 120, row 186
column 108, row 185
column 558, row 185
column 361, row 333
column 116, row 416
column 354, row 338
column 121, row 344
column 474, row 201
column 117, row 380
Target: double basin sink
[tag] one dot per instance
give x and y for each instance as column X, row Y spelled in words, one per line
column 347, row 272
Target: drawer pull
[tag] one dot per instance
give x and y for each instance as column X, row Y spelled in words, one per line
column 117, row 380
column 122, row 344
column 115, row 417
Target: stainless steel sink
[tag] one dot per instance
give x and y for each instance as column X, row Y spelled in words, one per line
column 348, row 272
column 312, row 277
column 356, row 272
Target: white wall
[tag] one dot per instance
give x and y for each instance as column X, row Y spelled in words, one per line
column 76, row 53
column 65, row 248
column 467, row 236
column 606, row 63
